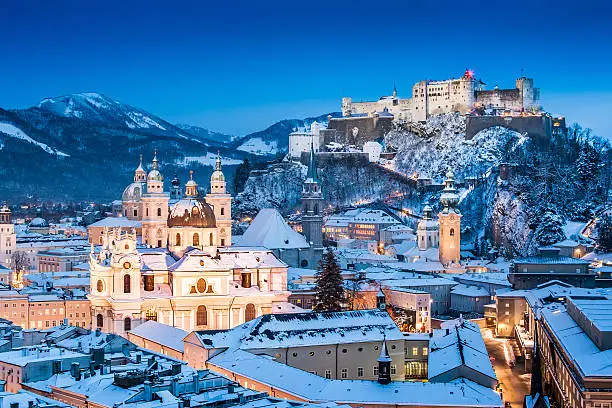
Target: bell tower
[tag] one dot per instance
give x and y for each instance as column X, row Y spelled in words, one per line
column 450, row 223
column 155, row 209
column 8, row 239
column 312, row 205
column 221, row 202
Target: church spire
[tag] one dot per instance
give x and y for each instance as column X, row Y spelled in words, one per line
column 191, row 187
column 218, row 162
column 394, row 90
column 312, row 166
column 140, row 174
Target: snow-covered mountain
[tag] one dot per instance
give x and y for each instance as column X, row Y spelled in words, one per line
column 86, row 146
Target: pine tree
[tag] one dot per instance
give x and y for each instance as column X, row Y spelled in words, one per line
column 550, row 229
column 329, row 290
column 588, row 163
column 604, row 233
column 241, row 176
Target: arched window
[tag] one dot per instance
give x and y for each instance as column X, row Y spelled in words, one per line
column 452, row 232
column 100, row 286
column 249, row 312
column 135, row 212
column 316, row 209
column 201, row 316
column 127, row 324
column 211, row 239
column 222, row 211
column 196, row 239
column 149, row 282
column 127, row 284
column 178, row 239
column 159, row 212
column 99, row 320
column 147, row 211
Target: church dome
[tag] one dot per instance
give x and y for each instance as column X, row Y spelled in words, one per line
column 133, row 192
column 192, row 212
column 217, row 175
column 155, row 175
column 38, row 223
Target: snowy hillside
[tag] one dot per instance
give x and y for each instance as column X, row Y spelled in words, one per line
column 442, row 144
column 9, row 130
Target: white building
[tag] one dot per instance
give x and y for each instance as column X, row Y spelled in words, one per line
column 8, row 239
column 301, row 140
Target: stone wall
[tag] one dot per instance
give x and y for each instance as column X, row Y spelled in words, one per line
column 538, row 127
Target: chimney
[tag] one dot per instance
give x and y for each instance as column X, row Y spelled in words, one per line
column 148, row 391
column 75, row 371
column 56, row 367
column 196, row 383
column 174, row 386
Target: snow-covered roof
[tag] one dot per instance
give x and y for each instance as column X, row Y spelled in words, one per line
column 168, row 336
column 463, row 345
column 117, row 222
column 470, row 291
column 24, row 356
column 306, row 329
column 459, row 393
column 550, row 260
column 271, row 231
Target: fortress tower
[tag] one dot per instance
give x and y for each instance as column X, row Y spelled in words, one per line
column 450, row 223
column 428, row 230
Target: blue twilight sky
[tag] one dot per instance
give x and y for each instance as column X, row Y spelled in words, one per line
column 238, row 66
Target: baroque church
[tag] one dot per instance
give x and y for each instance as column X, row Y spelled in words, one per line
column 185, row 273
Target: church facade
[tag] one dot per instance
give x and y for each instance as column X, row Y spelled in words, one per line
column 185, row 274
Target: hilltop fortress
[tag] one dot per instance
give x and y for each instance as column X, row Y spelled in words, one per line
column 461, row 95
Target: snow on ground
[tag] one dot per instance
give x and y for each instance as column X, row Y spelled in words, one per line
column 573, row 228
column 209, row 160
column 13, row 131
column 259, row 146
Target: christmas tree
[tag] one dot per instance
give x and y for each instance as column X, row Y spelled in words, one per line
column 329, row 289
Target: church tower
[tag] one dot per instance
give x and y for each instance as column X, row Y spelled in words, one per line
column 312, row 205
column 384, row 365
column 140, row 175
column 427, row 230
column 450, row 223
column 221, row 202
column 155, row 209
column 7, row 237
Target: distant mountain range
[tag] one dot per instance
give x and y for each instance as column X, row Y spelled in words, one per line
column 85, row 147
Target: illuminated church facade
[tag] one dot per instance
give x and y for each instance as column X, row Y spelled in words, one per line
column 184, row 273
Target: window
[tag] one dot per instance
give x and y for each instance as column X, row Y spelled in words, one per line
column 328, row 374
column 149, row 283
column 359, row 371
column 127, row 324
column 135, row 212
column 211, row 239
column 178, row 239
column 393, row 369
column 311, row 354
column 151, row 315
column 452, row 232
column 375, row 370
column 127, row 283
column 99, row 320
column 196, row 239
column 425, row 351
column 222, row 211
column 344, row 373
column 249, row 312
column 159, row 212
column 415, row 351
column 201, row 285
column 100, row 286
column 147, row 211
column 222, row 241
column 159, row 243
column 201, row 316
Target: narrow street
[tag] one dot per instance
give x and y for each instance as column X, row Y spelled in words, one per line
column 515, row 382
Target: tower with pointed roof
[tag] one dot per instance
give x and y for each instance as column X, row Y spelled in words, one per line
column 154, row 212
column 450, row 223
column 384, row 365
column 221, row 202
column 140, row 175
column 312, row 206
column 7, row 237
